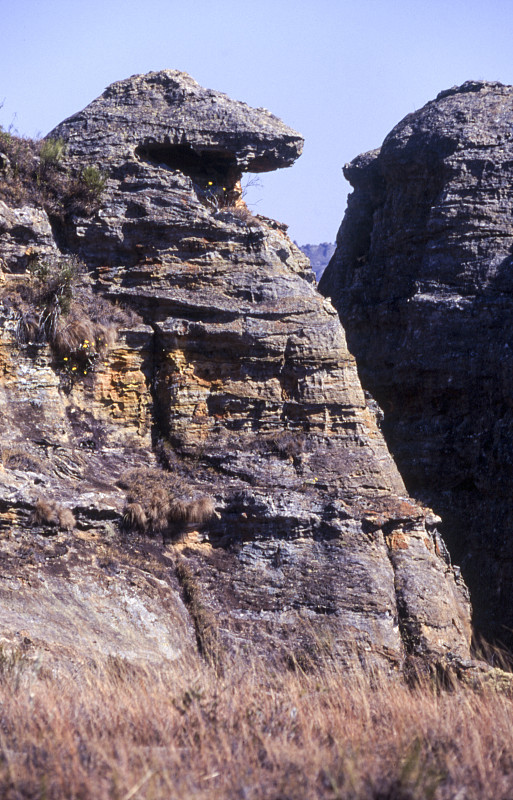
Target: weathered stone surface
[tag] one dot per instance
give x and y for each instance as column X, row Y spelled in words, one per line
column 167, row 117
column 422, row 278
column 319, row 256
column 241, row 370
column 24, row 231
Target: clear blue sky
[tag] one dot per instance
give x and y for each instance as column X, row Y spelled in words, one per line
column 342, row 72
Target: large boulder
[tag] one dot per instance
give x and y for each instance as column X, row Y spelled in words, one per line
column 423, row 279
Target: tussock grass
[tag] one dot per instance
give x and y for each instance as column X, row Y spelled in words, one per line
column 156, row 502
column 48, row 512
column 55, row 303
column 184, row 730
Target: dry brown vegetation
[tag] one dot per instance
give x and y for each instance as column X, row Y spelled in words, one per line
column 157, row 501
column 205, row 623
column 16, row 457
column 116, row 731
column 55, row 303
column 49, row 512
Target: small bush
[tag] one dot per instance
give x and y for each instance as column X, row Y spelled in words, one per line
column 94, row 180
column 51, row 151
column 54, row 280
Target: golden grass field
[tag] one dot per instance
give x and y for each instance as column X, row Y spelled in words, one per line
column 185, row 731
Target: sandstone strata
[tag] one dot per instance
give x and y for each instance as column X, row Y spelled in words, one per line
column 237, row 376
column 422, row 279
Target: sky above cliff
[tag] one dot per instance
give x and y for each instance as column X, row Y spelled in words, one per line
column 341, row 72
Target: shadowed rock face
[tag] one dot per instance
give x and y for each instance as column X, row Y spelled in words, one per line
column 241, row 370
column 423, row 279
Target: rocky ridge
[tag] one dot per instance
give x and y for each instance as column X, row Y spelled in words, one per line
column 422, row 279
column 319, row 256
column 229, row 378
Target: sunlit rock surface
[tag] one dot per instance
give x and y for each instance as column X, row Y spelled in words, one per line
column 236, row 376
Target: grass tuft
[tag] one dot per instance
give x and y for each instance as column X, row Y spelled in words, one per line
column 49, row 513
column 158, row 502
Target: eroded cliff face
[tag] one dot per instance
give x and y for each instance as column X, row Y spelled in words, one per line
column 422, row 278
column 230, row 379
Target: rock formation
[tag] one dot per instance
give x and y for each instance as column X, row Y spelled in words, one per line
column 422, row 278
column 228, row 382
column 319, row 256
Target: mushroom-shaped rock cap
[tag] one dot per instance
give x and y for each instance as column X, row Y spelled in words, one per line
column 156, row 114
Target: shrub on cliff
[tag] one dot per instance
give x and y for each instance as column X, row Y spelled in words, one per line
column 32, row 172
column 55, row 303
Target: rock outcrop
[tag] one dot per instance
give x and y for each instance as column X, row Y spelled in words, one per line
column 229, row 379
column 319, row 256
column 422, row 278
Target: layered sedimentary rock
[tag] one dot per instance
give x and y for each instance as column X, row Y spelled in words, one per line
column 422, row 278
column 234, row 373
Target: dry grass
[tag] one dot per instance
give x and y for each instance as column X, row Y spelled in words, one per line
column 157, row 502
column 50, row 513
column 205, row 623
column 55, row 303
column 21, row 458
column 185, row 731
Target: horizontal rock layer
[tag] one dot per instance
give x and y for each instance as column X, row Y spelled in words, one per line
column 236, row 375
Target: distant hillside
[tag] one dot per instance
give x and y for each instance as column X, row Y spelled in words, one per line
column 319, row 255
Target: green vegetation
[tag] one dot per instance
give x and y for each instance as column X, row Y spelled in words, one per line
column 51, row 151
column 94, row 180
column 34, row 173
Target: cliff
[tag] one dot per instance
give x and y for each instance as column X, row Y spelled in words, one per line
column 422, row 279
column 188, row 456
